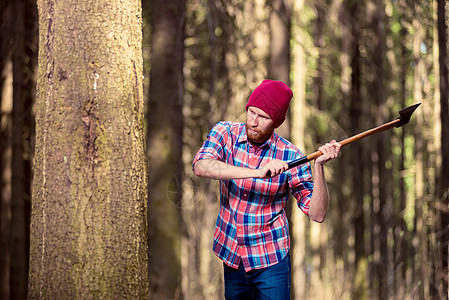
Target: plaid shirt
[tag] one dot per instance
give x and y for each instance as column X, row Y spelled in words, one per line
column 252, row 224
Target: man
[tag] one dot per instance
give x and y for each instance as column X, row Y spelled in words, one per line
column 250, row 160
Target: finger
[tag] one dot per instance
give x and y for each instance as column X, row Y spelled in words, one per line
column 284, row 166
column 334, row 148
column 324, row 149
column 336, row 145
column 277, row 167
column 333, row 152
column 329, row 152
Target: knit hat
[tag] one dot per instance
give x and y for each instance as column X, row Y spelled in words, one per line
column 273, row 97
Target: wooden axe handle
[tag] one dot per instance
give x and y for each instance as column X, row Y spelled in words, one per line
column 345, row 142
column 359, row 136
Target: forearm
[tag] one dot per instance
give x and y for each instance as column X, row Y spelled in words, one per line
column 320, row 197
column 215, row 169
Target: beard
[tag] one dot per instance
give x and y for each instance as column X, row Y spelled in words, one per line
column 257, row 136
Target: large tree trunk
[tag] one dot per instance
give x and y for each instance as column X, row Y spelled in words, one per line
column 88, row 222
column 165, row 142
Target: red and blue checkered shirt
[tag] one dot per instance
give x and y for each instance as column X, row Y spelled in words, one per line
column 252, row 224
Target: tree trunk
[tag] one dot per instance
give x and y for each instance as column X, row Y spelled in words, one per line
column 444, row 113
column 165, row 142
column 382, row 176
column 298, row 225
column 88, row 222
column 355, row 112
column 24, row 60
column 18, row 58
column 421, row 264
column 5, row 179
column 6, row 12
column 279, row 56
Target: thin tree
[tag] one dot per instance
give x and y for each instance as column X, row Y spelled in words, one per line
column 88, row 222
column 357, row 163
column 23, row 60
column 6, row 11
column 279, row 54
column 18, row 58
column 165, row 143
column 444, row 113
column 381, row 176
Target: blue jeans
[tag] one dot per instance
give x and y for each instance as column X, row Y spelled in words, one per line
column 269, row 283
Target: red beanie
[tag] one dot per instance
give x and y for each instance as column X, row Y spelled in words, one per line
column 273, row 97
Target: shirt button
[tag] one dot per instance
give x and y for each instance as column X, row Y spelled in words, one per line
column 246, row 195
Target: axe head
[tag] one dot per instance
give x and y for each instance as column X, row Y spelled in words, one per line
column 405, row 114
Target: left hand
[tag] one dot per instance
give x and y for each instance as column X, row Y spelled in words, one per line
column 330, row 151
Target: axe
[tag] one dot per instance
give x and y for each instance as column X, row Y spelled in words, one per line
column 404, row 118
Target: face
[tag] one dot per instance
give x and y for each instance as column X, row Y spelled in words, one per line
column 259, row 125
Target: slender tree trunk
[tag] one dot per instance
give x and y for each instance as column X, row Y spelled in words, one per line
column 355, row 112
column 421, row 266
column 318, row 41
column 23, row 67
column 6, row 13
column 382, row 178
column 444, row 113
column 279, row 55
column 19, row 204
column 88, row 222
column 402, row 233
column 318, row 231
column 165, row 142
column 17, row 52
column 5, row 179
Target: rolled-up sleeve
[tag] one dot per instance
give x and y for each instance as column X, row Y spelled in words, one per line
column 301, row 186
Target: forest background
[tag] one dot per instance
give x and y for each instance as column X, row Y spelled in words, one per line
column 352, row 66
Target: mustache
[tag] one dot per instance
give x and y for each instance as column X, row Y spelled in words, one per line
column 252, row 128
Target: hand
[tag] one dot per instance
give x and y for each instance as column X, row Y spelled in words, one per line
column 330, row 151
column 273, row 168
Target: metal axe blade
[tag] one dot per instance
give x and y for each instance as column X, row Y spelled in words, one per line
column 405, row 114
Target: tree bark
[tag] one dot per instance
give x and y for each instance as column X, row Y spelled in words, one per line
column 88, row 222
